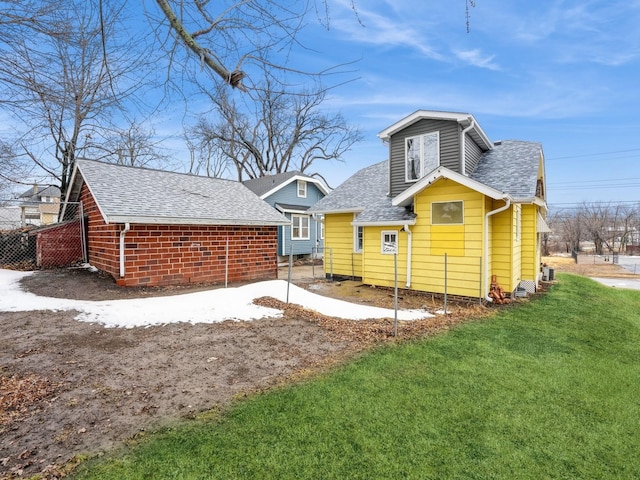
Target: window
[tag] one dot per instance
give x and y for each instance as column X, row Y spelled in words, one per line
column 299, row 227
column 302, row 189
column 422, row 155
column 389, row 239
column 446, row 213
column 358, row 238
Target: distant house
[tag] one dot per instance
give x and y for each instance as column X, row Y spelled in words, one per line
column 40, row 205
column 293, row 193
column 10, row 217
column 149, row 227
column 460, row 212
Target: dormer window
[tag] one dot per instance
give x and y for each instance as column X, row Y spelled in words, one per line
column 422, row 155
column 302, row 189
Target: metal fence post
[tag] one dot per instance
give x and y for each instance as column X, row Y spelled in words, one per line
column 331, row 263
column 445, row 283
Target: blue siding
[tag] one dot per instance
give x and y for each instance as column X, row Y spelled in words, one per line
column 289, row 195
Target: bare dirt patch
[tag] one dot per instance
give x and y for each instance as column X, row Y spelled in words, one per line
column 71, row 388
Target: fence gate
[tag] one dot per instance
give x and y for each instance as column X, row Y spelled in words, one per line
column 57, row 245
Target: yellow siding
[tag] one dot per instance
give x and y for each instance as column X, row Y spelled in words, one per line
column 510, row 260
column 506, row 252
column 462, row 244
column 339, row 257
column 378, row 267
column 530, row 243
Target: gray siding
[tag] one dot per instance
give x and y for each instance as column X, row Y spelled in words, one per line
column 472, row 155
column 449, row 149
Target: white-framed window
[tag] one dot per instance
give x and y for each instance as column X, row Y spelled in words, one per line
column 389, row 242
column 302, row 189
column 447, row 213
column 299, row 227
column 422, row 154
column 358, row 238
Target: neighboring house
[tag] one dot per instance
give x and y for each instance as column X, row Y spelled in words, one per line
column 459, row 210
column 40, row 205
column 293, row 193
column 149, row 227
column 10, row 217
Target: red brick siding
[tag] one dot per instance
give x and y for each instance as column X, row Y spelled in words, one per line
column 179, row 254
column 59, row 246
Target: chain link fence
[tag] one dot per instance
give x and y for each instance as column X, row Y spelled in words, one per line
column 25, row 246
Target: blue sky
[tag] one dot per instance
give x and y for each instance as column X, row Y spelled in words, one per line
column 561, row 72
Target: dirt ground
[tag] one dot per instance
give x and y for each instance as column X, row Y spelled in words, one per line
column 69, row 389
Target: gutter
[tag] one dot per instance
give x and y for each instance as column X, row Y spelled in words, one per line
column 507, row 204
column 409, row 245
column 463, row 168
column 123, row 232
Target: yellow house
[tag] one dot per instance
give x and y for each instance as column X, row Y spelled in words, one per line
column 450, row 211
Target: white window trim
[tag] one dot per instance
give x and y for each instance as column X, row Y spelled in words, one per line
column 518, row 223
column 384, row 233
column 355, row 238
column 303, row 184
column 419, row 138
column 450, row 201
column 301, row 230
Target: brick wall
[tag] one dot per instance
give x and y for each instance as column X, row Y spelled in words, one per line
column 59, row 246
column 180, row 254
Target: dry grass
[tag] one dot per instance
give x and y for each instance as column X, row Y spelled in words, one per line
column 604, row 270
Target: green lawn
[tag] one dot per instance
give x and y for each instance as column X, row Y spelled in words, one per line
column 547, row 389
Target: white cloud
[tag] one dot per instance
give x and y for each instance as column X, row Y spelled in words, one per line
column 477, row 59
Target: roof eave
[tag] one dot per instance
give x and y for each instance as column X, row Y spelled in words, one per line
column 337, row 210
column 442, row 173
column 394, row 223
column 321, row 186
column 191, row 221
column 461, row 118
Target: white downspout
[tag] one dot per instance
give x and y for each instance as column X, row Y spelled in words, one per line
column 463, row 166
column 123, row 232
column 507, row 204
column 409, row 244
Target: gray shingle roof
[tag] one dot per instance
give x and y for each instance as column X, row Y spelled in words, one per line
column 510, row 167
column 262, row 185
column 139, row 195
column 365, row 191
column 40, row 191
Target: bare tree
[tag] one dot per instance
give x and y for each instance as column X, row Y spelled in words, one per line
column 276, row 131
column 226, row 36
column 134, row 145
column 205, row 157
column 65, row 81
column 567, row 225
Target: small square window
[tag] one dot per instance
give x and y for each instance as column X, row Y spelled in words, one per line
column 302, row 189
column 389, row 242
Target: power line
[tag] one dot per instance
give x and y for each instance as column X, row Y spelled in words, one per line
column 594, row 154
